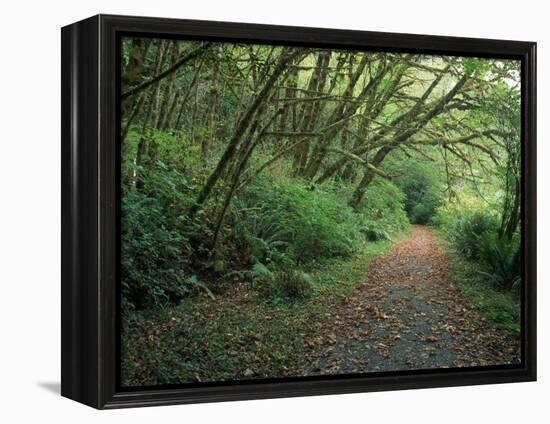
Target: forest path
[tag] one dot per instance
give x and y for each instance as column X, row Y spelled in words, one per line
column 408, row 315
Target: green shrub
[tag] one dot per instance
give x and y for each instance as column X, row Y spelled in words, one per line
column 153, row 255
column 500, row 306
column 174, row 149
column 382, row 211
column 422, row 213
column 421, row 186
column 288, row 222
column 155, row 240
column 294, row 284
column 502, row 258
column 373, row 232
column 470, row 230
column 287, row 284
column 474, row 234
column 260, row 274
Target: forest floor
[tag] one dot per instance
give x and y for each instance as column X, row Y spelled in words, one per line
column 390, row 308
column 409, row 315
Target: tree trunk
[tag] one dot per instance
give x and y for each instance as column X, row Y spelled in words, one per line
column 368, row 176
column 243, row 125
column 213, row 99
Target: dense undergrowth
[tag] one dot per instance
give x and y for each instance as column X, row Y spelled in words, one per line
column 287, row 250
column 294, row 248
column 473, row 230
column 276, row 228
column 499, row 306
column 485, row 266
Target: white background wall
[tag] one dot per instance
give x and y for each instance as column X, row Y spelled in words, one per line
column 30, row 211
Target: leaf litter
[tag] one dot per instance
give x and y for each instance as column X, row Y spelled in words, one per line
column 405, row 314
column 408, row 315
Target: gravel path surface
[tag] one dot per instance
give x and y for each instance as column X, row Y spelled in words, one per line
column 408, row 315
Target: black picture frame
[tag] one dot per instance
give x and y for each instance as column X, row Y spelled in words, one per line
column 91, row 195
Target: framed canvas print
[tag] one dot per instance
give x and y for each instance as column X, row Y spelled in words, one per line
column 253, row 211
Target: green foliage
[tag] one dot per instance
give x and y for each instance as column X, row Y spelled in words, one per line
column 502, row 257
column 156, row 249
column 382, row 211
column 475, row 66
column 260, row 273
column 420, row 183
column 500, row 307
column 291, row 284
column 474, row 234
column 288, row 222
column 285, row 225
column 153, row 255
column 469, row 230
column 174, row 149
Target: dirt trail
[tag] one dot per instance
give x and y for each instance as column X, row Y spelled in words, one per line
column 408, row 315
